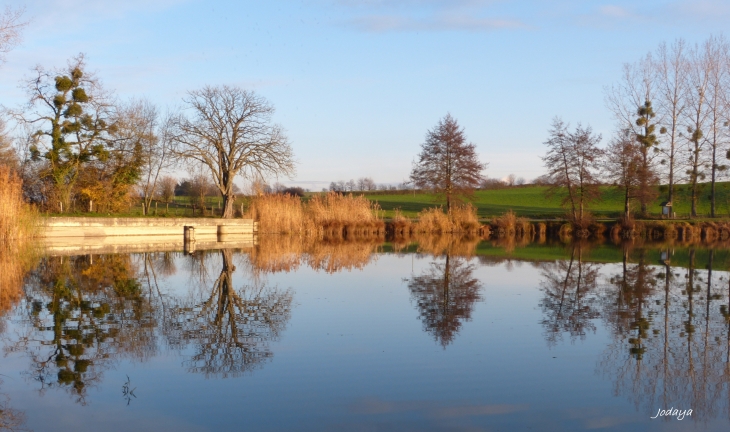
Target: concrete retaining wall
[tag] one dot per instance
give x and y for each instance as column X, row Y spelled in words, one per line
column 64, row 227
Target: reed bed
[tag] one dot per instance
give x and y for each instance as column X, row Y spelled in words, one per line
column 461, row 219
column 18, row 224
column 18, row 221
column 332, row 214
column 509, row 225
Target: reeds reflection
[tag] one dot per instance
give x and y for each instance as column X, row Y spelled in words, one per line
column 79, row 316
column 275, row 253
column 228, row 329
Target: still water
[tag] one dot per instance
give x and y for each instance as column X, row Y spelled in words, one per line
column 442, row 335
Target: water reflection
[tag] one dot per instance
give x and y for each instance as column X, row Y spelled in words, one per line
column 445, row 295
column 671, row 337
column 228, row 329
column 80, row 315
column 569, row 301
column 275, row 254
column 11, row 419
column 662, row 313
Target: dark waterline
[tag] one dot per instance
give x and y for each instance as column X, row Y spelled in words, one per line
column 363, row 336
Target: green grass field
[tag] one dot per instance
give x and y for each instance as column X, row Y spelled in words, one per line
column 533, row 202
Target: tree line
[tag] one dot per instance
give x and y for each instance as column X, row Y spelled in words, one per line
column 672, row 112
column 80, row 146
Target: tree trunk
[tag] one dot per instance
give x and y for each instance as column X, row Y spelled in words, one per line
column 712, row 186
column 627, row 207
column 228, row 199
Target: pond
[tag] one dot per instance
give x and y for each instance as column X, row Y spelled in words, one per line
column 442, row 334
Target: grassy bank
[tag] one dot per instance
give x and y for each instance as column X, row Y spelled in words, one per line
column 533, row 202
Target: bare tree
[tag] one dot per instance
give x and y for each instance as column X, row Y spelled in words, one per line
column 511, row 179
column 637, row 85
column 369, row 184
column 697, row 120
column 351, row 185
column 166, row 189
column 572, row 162
column 141, row 120
column 717, row 53
column 10, row 29
column 623, row 166
column 447, row 165
column 8, row 156
column 229, row 131
column 672, row 67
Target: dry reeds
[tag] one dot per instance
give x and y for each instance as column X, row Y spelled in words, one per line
column 460, row 219
column 400, row 225
column 18, row 220
column 509, row 225
column 346, row 214
column 18, row 223
column 332, row 214
column 279, row 214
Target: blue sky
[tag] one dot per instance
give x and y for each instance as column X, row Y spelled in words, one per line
column 357, row 83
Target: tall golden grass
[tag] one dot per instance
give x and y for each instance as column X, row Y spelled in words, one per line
column 509, row 225
column 18, row 221
column 331, row 214
column 461, row 219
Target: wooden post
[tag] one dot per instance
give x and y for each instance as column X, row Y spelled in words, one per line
column 188, row 239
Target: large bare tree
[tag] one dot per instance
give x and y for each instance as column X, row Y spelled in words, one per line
column 447, row 164
column 229, row 131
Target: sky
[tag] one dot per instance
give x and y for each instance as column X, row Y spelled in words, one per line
column 357, row 84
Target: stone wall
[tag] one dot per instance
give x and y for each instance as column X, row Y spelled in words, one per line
column 65, row 227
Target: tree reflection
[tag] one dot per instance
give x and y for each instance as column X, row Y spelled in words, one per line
column 11, row 419
column 80, row 315
column 445, row 295
column 569, row 299
column 671, row 340
column 228, row 329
